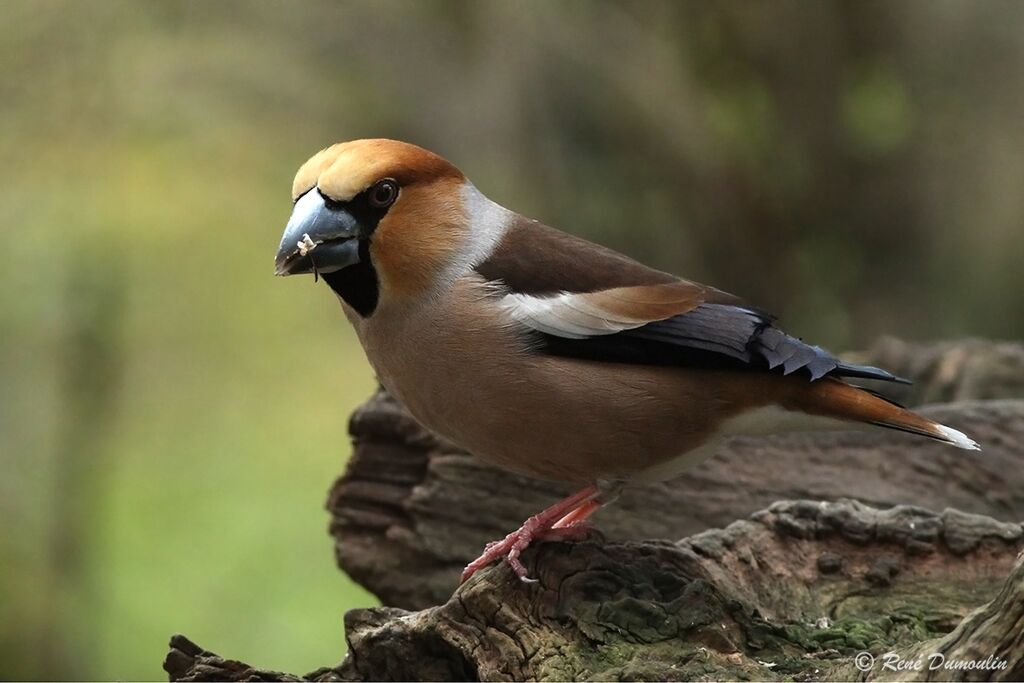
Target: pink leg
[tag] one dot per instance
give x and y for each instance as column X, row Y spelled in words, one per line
column 516, row 542
column 578, row 516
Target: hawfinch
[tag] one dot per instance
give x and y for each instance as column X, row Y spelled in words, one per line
column 546, row 354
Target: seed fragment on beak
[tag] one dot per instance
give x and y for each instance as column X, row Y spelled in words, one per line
column 306, row 244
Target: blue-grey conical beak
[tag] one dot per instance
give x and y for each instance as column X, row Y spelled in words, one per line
column 317, row 237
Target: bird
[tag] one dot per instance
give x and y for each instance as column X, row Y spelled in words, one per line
column 546, row 354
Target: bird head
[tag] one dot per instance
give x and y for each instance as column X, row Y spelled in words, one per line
column 378, row 220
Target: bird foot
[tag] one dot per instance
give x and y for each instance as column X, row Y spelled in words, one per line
column 509, row 548
column 563, row 518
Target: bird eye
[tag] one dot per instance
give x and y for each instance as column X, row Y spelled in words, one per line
column 383, row 193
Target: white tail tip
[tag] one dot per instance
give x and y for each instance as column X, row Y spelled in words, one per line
column 958, row 439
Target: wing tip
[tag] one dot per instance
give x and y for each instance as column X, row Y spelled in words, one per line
column 868, row 372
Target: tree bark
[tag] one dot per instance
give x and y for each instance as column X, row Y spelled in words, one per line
column 796, row 590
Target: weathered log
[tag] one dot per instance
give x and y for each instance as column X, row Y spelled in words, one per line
column 412, row 510
column 797, row 590
column 794, row 592
column 186, row 661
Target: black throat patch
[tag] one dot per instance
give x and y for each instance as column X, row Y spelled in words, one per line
column 357, row 284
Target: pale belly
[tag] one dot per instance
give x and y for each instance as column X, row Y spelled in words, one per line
column 547, row 417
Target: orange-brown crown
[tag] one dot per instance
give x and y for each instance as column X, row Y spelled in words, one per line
column 344, row 170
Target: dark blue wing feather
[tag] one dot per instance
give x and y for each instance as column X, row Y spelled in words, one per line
column 715, row 336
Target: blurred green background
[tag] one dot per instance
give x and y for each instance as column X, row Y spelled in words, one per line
column 171, row 415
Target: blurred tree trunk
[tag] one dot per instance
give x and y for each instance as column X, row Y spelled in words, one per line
column 91, row 366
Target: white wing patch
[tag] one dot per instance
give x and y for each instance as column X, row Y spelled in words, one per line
column 567, row 315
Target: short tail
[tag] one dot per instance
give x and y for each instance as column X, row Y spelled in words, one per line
column 837, row 399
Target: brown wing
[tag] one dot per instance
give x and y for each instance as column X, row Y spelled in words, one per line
column 535, row 259
column 588, row 301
